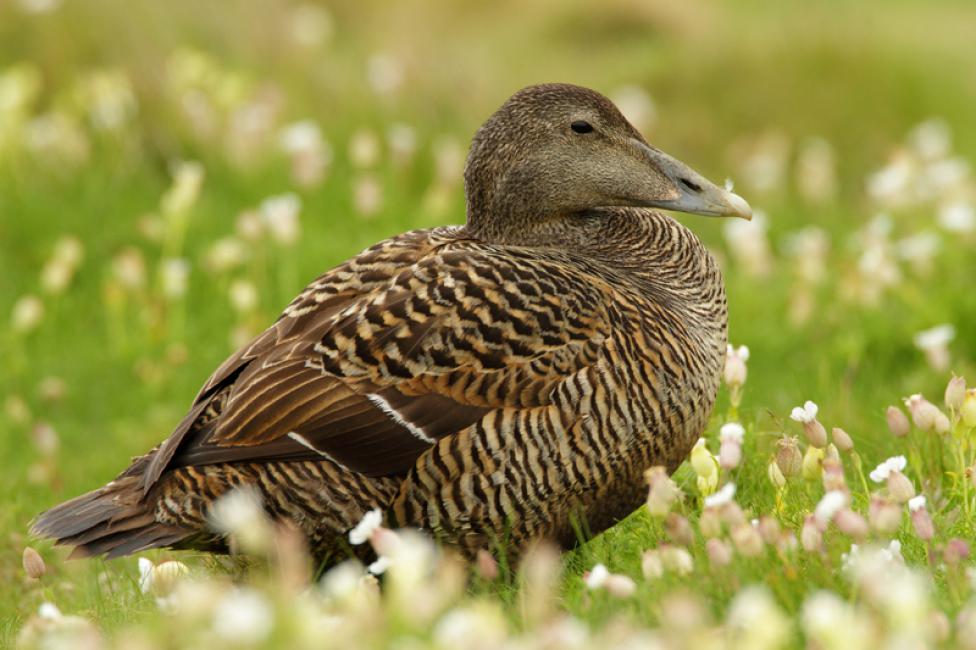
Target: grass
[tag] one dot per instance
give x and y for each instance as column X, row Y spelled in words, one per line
column 859, row 75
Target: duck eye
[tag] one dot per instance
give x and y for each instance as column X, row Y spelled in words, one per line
column 579, row 126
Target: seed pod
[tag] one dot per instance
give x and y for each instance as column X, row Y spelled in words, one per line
column 789, row 459
column 955, row 393
column 34, row 565
column 898, row 422
column 842, row 439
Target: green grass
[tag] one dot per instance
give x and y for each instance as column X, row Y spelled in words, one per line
column 858, row 74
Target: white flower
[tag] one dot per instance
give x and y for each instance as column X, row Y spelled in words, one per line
column 365, row 528
column 241, row 513
column 732, row 431
column 300, row 137
column 174, row 272
column 720, row 498
column 958, row 217
column 806, row 413
column 881, row 472
column 597, row 577
column 380, row 566
column 893, row 551
column 27, row 313
column 49, row 611
column 145, row 574
column 936, row 337
column 916, row 503
column 279, row 214
column 243, row 616
column 829, row 505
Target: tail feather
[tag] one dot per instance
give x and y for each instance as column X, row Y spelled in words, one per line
column 114, row 520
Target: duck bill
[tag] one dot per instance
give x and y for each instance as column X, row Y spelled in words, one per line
column 695, row 193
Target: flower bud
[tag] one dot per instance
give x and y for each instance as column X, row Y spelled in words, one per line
column 789, row 459
column 924, row 413
column 815, row 433
column 775, row 475
column 486, row 565
column 34, row 565
column 705, row 466
column 620, row 586
column 811, row 538
column 968, row 409
column 663, row 491
column 710, row 523
column 884, row 515
column 747, row 540
column 956, row 551
column 851, row 524
column 833, row 475
column 735, row 372
column 812, row 463
column 955, row 393
column 652, row 566
column 921, row 519
column 679, row 530
column 677, row 559
column 842, row 439
column 729, row 454
column 898, row 423
column 719, row 552
column 732, row 514
column 900, row 487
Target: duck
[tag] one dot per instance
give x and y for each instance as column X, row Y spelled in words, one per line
column 492, row 383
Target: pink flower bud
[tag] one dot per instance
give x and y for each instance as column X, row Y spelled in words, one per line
column 851, row 524
column 842, row 439
column 955, row 393
column 729, row 454
column 663, row 491
column 732, row 514
column 811, row 538
column 486, row 564
column 652, row 565
column 921, row 519
column 956, row 551
column 884, row 515
column 735, row 372
column 746, row 539
column 710, row 523
column 900, row 487
column 898, row 423
column 619, row 586
column 815, row 433
column 924, row 413
column 719, row 553
column 678, row 529
column 789, row 459
column 833, row 475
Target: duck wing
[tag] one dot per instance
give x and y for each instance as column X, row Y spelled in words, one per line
column 413, row 340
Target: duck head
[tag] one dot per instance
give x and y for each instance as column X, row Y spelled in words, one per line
column 555, row 150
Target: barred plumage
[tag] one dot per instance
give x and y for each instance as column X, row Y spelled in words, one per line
column 501, row 381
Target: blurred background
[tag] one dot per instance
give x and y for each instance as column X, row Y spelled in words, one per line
column 171, row 174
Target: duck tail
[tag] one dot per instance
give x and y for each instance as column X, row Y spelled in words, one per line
column 113, row 521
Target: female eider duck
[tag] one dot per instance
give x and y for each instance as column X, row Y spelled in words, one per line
column 508, row 379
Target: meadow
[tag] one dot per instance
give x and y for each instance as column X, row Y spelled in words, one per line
column 171, row 175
